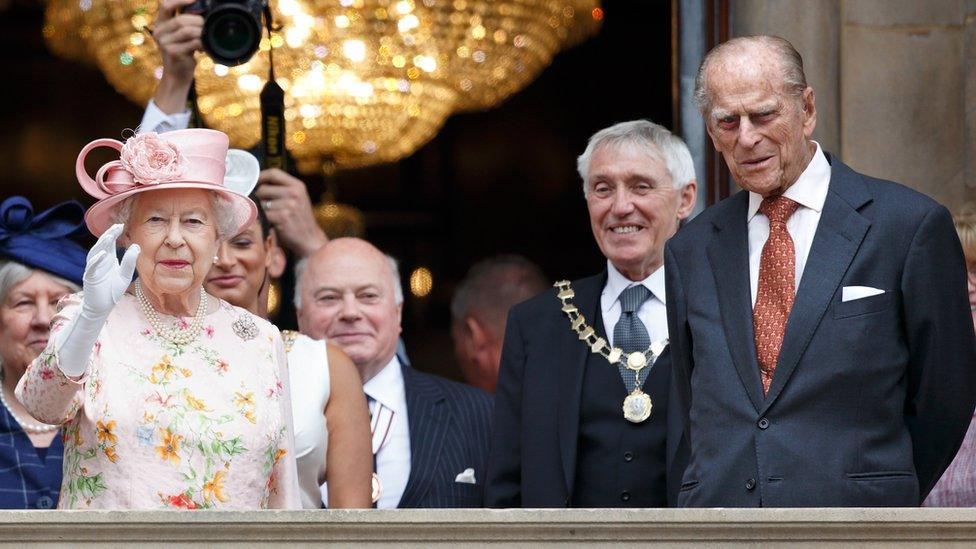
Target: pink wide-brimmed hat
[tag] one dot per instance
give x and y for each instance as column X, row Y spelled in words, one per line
column 182, row 159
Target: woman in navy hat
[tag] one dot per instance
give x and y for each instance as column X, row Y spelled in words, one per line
column 39, row 264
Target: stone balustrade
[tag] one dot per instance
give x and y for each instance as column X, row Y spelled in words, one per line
column 510, row 528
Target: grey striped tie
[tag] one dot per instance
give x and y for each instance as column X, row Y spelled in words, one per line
column 630, row 334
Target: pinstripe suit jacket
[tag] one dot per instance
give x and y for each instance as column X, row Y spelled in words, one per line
column 450, row 428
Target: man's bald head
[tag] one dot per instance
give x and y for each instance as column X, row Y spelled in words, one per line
column 346, row 244
column 348, row 291
column 759, row 57
column 759, row 112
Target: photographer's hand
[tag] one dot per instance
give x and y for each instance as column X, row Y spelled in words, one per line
column 177, row 36
column 289, row 209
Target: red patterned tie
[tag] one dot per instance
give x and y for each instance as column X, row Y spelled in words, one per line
column 774, row 297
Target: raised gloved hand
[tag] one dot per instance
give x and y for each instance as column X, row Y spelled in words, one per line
column 105, row 277
column 104, row 282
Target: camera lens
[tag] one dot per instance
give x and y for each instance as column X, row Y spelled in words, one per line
column 231, row 35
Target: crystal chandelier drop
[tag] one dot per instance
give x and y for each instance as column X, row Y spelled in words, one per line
column 65, row 29
column 492, row 49
column 366, row 81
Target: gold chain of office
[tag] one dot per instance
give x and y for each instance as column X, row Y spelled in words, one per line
column 637, row 406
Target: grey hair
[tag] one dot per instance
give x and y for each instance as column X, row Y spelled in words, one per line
column 791, row 64
column 222, row 207
column 646, row 134
column 397, row 286
column 299, row 278
column 303, row 264
column 13, row 273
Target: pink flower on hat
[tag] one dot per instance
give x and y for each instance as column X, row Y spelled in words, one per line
column 151, row 160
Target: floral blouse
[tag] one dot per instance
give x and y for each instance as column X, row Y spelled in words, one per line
column 153, row 425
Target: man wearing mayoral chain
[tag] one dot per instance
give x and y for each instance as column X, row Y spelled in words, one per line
column 582, row 411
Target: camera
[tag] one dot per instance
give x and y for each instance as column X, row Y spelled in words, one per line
column 231, row 28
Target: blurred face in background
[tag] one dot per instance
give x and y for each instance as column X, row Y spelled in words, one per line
column 25, row 317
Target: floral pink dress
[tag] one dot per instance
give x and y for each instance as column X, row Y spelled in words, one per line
column 153, row 425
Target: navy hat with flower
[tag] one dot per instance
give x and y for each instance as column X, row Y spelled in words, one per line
column 43, row 241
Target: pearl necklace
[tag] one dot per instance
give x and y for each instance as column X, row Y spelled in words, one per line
column 174, row 335
column 35, row 428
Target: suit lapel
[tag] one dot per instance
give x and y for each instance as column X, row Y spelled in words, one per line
column 674, row 419
column 428, row 419
column 572, row 361
column 728, row 255
column 838, row 237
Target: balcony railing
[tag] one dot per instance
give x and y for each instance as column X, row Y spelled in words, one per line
column 522, row 528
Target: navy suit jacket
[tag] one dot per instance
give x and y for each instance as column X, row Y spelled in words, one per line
column 450, row 426
column 870, row 398
column 537, row 404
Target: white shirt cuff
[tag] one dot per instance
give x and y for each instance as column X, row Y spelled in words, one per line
column 155, row 120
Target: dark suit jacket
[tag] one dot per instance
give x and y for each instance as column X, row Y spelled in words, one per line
column 537, row 404
column 450, row 426
column 871, row 397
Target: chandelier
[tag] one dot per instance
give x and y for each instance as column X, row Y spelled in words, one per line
column 366, row 81
column 66, row 31
column 493, row 49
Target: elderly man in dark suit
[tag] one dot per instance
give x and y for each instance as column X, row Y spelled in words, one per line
column 582, row 414
column 819, row 323
column 430, row 435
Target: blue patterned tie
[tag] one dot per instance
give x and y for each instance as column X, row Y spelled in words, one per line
column 630, row 334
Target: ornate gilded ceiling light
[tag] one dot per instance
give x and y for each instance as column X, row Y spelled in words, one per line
column 494, row 48
column 65, row 29
column 366, row 81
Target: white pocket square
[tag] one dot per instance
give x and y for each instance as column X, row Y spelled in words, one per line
column 467, row 477
column 850, row 293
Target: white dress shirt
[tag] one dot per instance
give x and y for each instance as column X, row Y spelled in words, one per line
column 393, row 457
column 652, row 313
column 155, row 120
column 810, row 192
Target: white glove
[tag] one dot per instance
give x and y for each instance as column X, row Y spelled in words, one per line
column 105, row 281
column 105, row 278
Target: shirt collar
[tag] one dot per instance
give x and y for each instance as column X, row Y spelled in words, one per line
column 617, row 283
column 386, row 387
column 810, row 189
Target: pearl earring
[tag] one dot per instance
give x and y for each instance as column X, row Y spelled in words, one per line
column 215, row 259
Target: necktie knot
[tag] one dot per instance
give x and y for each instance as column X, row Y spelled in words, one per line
column 778, row 209
column 632, row 298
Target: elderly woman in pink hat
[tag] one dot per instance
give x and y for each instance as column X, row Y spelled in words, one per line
column 169, row 397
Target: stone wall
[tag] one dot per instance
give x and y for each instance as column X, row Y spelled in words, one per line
column 814, row 29
column 895, row 83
